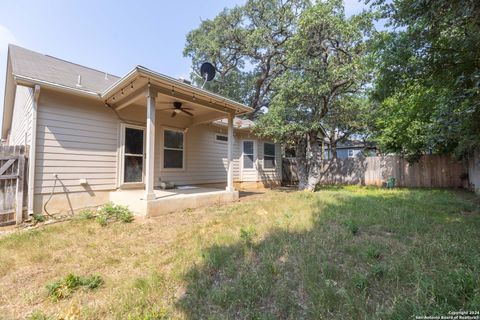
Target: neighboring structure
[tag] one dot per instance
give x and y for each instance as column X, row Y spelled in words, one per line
column 97, row 136
column 350, row 149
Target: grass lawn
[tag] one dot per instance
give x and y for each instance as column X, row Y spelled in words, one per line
column 340, row 253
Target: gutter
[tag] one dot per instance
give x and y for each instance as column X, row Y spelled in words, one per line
column 22, row 80
column 33, row 144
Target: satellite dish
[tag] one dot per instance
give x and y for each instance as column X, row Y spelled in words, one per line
column 207, row 71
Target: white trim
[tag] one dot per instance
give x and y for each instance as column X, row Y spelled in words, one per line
column 32, row 155
column 184, row 150
column 121, row 183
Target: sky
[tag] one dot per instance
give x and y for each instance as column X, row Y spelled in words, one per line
column 111, row 36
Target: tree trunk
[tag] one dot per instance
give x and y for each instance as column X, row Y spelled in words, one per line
column 333, row 145
column 302, row 166
column 314, row 163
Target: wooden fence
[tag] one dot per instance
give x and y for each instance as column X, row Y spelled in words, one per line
column 12, row 184
column 430, row 171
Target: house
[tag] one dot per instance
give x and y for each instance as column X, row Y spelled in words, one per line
column 94, row 137
column 350, row 149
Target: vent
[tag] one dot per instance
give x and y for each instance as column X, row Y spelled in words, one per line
column 79, row 81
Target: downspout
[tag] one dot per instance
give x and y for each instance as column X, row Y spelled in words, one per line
column 33, row 144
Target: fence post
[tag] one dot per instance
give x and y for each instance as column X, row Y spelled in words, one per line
column 20, row 183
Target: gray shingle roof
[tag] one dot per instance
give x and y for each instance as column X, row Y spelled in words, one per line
column 42, row 67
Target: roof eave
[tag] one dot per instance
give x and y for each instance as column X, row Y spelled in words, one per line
column 31, row 82
column 168, row 81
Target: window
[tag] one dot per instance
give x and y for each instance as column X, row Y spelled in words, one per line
column 173, row 149
column 133, row 155
column 221, row 138
column 248, row 154
column 350, row 153
column 268, row 155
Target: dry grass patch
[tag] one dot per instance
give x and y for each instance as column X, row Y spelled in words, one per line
column 338, row 253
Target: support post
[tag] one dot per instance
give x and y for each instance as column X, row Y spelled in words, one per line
column 20, row 182
column 150, row 145
column 230, row 154
column 33, row 145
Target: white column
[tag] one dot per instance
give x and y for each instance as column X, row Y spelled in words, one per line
column 150, row 145
column 230, row 154
column 33, row 144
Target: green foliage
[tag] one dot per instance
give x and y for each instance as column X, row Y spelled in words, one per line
column 248, row 235
column 111, row 213
column 360, row 281
column 352, row 226
column 63, row 288
column 38, row 315
column 86, row 214
column 246, row 45
column 427, row 83
column 325, row 64
column 38, row 217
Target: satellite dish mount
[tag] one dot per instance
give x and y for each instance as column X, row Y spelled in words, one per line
column 207, row 72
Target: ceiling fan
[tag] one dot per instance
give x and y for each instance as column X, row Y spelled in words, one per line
column 177, row 108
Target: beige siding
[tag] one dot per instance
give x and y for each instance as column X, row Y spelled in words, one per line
column 269, row 174
column 80, row 138
column 76, row 138
column 21, row 131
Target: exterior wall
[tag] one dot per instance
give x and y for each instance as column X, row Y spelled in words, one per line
column 76, row 138
column 79, row 138
column 269, row 175
column 343, row 153
column 21, row 130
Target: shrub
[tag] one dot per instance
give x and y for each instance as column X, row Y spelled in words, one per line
column 111, row 213
column 248, row 234
column 373, row 252
column 352, row 226
column 360, row 281
column 38, row 217
column 63, row 288
column 38, row 315
column 86, row 214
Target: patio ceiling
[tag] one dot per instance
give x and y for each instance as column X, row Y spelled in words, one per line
column 131, row 91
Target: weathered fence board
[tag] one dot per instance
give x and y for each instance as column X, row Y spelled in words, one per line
column 430, row 171
column 12, row 184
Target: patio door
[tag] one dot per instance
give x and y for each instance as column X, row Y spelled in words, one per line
column 133, row 157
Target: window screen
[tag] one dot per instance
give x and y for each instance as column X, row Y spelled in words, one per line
column 173, row 149
column 268, row 155
column 248, row 154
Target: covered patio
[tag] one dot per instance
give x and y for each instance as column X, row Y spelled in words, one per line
column 158, row 97
column 172, row 200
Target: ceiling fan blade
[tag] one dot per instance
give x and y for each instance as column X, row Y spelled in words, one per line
column 173, row 114
column 187, row 112
column 187, row 108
